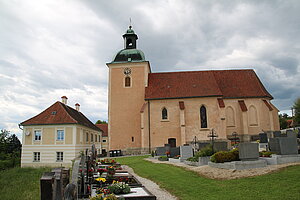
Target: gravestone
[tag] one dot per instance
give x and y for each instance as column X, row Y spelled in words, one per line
column 220, row 146
column 274, row 145
column 263, row 138
column 160, row 151
column 284, row 145
column 167, row 147
column 185, row 152
column 276, row 134
column 46, row 185
column 174, row 151
column 201, row 145
column 248, row 151
column 290, row 133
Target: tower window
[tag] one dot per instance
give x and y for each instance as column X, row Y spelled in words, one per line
column 132, row 139
column 127, row 81
column 129, row 42
column 164, row 113
column 203, row 117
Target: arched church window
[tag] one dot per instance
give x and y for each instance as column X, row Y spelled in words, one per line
column 164, row 113
column 253, row 121
column 230, row 120
column 203, row 117
column 127, row 81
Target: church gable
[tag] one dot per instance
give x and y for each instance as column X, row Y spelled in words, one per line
column 222, row 83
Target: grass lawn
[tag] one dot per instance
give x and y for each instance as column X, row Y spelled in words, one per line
column 21, row 183
column 284, row 184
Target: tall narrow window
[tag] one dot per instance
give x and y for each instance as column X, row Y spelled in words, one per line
column 60, row 135
column 92, row 138
column 164, row 113
column 37, row 135
column 127, row 81
column 87, row 137
column 96, row 138
column 203, row 117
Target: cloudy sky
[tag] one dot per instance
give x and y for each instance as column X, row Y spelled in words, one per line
column 52, row 48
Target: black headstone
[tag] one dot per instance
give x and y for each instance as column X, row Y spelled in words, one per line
column 46, row 185
column 263, row 138
column 276, row 134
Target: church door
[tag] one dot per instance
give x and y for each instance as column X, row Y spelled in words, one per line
column 172, row 142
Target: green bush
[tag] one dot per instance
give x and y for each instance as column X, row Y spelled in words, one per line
column 206, row 151
column 192, row 159
column 163, row 158
column 225, row 156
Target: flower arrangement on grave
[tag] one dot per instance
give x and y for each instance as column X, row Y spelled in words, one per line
column 108, row 161
column 101, row 170
column 90, row 172
column 123, row 179
column 103, row 191
column 168, row 153
column 111, row 171
column 101, row 179
column 266, row 153
column 119, row 188
column 104, row 197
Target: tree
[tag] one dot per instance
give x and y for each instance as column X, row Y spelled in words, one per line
column 296, row 108
column 101, row 122
column 282, row 121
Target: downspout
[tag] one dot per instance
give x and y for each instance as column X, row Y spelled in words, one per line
column 149, row 126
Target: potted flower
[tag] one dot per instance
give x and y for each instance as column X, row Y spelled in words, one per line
column 101, row 171
column 111, row 171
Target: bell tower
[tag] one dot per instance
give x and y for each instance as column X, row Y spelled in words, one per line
column 128, row 77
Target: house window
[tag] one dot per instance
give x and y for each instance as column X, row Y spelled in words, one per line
column 96, row 138
column 60, row 135
column 103, row 140
column 92, row 138
column 203, row 117
column 127, row 81
column 59, row 156
column 37, row 135
column 99, row 138
column 36, row 156
column 164, row 113
column 87, row 137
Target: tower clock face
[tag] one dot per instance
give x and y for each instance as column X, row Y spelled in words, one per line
column 127, row 71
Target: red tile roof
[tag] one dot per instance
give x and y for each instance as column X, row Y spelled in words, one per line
column 104, row 128
column 59, row 113
column 222, row 83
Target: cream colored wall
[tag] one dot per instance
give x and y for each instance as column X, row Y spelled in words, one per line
column 48, row 146
column 125, row 103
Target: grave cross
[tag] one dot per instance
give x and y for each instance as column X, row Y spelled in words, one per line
column 212, row 135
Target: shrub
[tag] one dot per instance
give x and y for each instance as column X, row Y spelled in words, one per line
column 192, row 159
column 163, row 158
column 206, row 151
column 225, row 156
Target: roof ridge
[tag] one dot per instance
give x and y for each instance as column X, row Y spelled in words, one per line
column 64, row 106
column 202, row 71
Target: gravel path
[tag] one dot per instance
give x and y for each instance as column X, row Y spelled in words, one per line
column 160, row 193
column 226, row 174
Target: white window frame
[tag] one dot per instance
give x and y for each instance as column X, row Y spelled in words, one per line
column 36, row 156
column 59, row 156
column 60, row 137
column 40, row 136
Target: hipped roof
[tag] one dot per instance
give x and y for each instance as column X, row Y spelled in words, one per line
column 59, row 113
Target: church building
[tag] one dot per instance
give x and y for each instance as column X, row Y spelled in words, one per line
column 147, row 110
